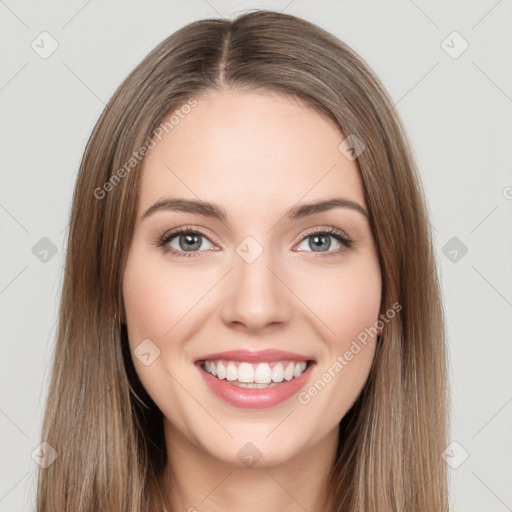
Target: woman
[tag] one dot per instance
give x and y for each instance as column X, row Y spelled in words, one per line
column 250, row 315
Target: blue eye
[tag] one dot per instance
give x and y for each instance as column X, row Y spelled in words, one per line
column 189, row 242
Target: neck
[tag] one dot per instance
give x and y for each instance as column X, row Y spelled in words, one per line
column 195, row 481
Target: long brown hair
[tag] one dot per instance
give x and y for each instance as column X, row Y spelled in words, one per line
column 106, row 430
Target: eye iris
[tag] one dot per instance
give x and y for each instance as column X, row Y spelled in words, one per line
column 320, row 245
column 191, row 242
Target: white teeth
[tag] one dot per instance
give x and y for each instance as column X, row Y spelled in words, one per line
column 255, row 375
column 288, row 372
column 299, row 368
column 278, row 373
column 245, row 373
column 262, row 374
column 231, row 372
column 221, row 371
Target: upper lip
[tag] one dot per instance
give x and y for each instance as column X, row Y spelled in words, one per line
column 255, row 356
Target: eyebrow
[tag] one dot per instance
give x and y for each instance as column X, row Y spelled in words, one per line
column 216, row 211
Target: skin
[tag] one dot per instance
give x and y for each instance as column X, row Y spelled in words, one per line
column 256, row 154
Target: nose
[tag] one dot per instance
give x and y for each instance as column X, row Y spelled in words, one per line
column 256, row 296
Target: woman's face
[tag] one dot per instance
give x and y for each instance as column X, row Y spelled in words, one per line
column 258, row 292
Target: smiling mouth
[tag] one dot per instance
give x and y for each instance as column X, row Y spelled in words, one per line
column 254, row 375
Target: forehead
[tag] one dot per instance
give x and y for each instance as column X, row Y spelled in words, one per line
column 249, row 150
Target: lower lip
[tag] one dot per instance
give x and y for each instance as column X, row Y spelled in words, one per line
column 248, row 398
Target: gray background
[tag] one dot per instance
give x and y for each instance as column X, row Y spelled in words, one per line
column 456, row 110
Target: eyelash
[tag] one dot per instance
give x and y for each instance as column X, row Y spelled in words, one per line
column 337, row 234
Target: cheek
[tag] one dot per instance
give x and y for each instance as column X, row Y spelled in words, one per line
column 143, row 303
column 348, row 304
column 348, row 300
column 151, row 291
column 157, row 295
